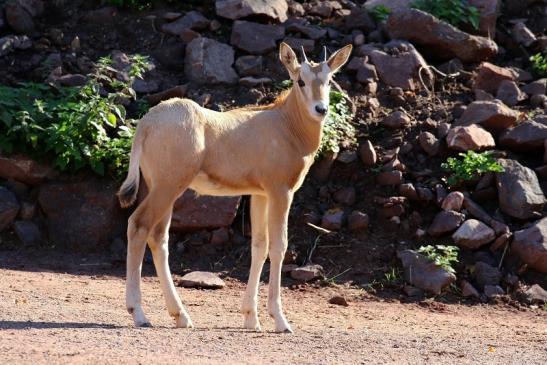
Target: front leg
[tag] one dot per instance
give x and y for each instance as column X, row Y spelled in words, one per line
column 279, row 203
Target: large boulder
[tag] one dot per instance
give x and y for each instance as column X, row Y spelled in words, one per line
column 437, row 38
column 472, row 137
column 492, row 115
column 519, row 192
column 527, row 136
column 192, row 212
column 9, row 207
column 423, row 273
column 473, row 234
column 256, row 38
column 84, row 215
column 210, row 62
column 23, row 169
column 237, row 9
column 530, row 244
column 398, row 64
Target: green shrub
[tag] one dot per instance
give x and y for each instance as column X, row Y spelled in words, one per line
column 470, row 167
column 76, row 126
column 539, row 64
column 337, row 127
column 441, row 255
column 380, row 13
column 455, row 12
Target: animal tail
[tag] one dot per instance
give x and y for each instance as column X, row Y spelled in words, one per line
column 130, row 187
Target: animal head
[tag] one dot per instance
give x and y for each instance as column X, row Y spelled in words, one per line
column 311, row 80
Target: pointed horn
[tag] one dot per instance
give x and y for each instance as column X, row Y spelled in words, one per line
column 324, row 53
column 304, row 55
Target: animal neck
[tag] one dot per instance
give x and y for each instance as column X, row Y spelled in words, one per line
column 305, row 130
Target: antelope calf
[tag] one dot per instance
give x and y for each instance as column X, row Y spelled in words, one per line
column 262, row 151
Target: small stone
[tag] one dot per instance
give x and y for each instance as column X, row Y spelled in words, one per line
column 345, row 196
column 423, row 273
column 534, row 295
column 509, row 93
column 347, row 156
column 339, row 300
column 249, row 65
column 389, row 178
column 396, row 120
column 236, row 9
column 473, row 234
column 429, row 143
column 467, row 138
column 256, row 38
column 358, row 221
column 251, row 81
column 209, row 62
column 287, row 268
column 409, row 191
column 367, row 153
column 192, row 20
column 453, row 201
column 27, row 232
column 523, row 35
column 492, row 291
column 201, row 279
column 445, row 221
column 307, row 273
column 220, row 236
column 413, row 292
column 469, row 290
column 333, row 219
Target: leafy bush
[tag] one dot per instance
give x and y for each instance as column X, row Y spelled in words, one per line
column 77, row 126
column 539, row 64
column 380, row 13
column 471, row 166
column 455, row 12
column 441, row 255
column 337, row 127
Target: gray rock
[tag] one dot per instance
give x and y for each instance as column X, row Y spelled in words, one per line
column 526, row 136
column 249, row 65
column 445, row 221
column 486, row 275
column 145, row 86
column 509, row 93
column 429, row 143
column 12, row 42
column 256, row 38
column 492, row 291
column 299, row 43
column 423, row 273
column 534, row 295
column 210, row 62
column 28, row 232
column 312, row 32
column 521, row 34
column 469, row 290
column 201, row 279
column 538, row 87
column 333, row 219
column 396, row 120
column 345, row 196
column 237, row 9
column 492, row 115
column 193, row 20
column 251, row 81
column 453, row 201
column 307, row 273
column 519, row 192
column 530, row 244
column 473, row 234
column 9, row 207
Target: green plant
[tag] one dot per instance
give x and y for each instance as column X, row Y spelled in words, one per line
column 471, row 166
column 455, row 12
column 337, row 127
column 441, row 255
column 76, row 126
column 539, row 64
column 380, row 13
column 392, row 277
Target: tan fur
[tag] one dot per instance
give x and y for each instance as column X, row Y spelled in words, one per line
column 263, row 151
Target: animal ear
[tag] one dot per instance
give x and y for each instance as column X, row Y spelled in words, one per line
column 288, row 58
column 339, row 58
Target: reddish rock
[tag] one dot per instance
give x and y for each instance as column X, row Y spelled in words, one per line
column 423, row 273
column 489, row 77
column 389, row 178
column 521, row 34
column 429, row 143
column 367, row 153
column 394, row 210
column 358, row 221
column 237, row 9
column 492, row 115
column 473, row 234
column 530, row 244
column 256, row 38
column 84, row 215
column 345, row 196
column 469, row 290
column 9, row 207
column 527, row 136
column 453, row 201
column 201, row 279
column 470, row 137
column 333, row 219
column 321, row 169
column 307, row 273
column 339, row 300
column 192, row 212
column 25, row 170
column 396, row 120
column 409, row 191
column 509, row 93
column 445, row 221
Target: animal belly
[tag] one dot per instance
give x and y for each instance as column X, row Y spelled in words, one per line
column 204, row 185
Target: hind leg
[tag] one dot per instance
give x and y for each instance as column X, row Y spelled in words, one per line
column 160, row 251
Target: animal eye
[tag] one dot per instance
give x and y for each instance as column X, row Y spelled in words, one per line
column 301, row 83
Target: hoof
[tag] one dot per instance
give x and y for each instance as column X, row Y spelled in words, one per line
column 181, row 322
column 143, row 324
column 252, row 324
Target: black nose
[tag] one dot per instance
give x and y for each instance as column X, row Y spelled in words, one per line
column 321, row 109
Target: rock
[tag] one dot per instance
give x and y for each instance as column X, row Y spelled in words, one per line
column 201, row 279
column 534, row 295
column 538, row 101
column 530, row 244
column 256, row 38
column 453, row 201
column 106, row 14
column 390, row 211
column 519, row 192
column 323, row 8
column 413, row 292
column 489, row 77
column 469, row 290
column 82, row 215
column 424, row 194
column 192, row 213
column 237, row 9
column 27, row 232
column 347, row 156
column 345, row 196
column 486, row 275
column 210, row 62
column 492, row 115
column 193, row 20
column 389, row 178
column 359, row 18
column 9, row 207
column 367, row 153
column 445, row 221
column 18, row 18
column 423, row 273
column 220, row 236
column 12, row 42
column 481, row 95
column 25, row 170
column 312, row 32
column 339, row 300
column 509, row 93
column 492, row 291
column 409, row 191
column 321, row 169
column 307, row 273
column 396, row 120
column 170, row 16
column 145, row 86
column 527, row 136
column 429, row 143
column 440, row 39
column 489, row 11
column 366, row 74
column 358, row 221
column 470, row 137
column 249, row 65
column 538, row 87
column 27, row 211
column 397, row 64
column 299, row 43
column 522, row 35
column 72, row 80
column 251, row 81
column 333, row 219
column 473, row 234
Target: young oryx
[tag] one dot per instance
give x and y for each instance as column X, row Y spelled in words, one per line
column 262, row 151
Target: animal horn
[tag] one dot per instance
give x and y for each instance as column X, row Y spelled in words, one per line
column 304, row 55
column 324, row 53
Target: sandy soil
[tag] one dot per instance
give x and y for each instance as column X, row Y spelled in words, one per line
column 58, row 318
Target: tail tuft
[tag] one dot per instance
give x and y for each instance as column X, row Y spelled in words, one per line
column 127, row 194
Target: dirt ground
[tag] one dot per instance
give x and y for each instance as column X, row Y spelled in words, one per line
column 56, row 317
